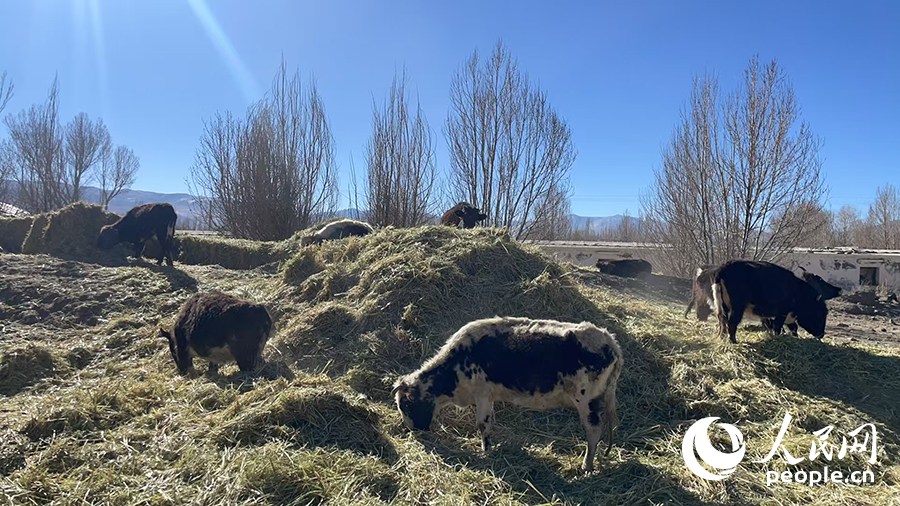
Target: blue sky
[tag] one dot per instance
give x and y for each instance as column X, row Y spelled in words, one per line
column 618, row 72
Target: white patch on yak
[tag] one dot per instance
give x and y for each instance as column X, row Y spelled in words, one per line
column 575, row 390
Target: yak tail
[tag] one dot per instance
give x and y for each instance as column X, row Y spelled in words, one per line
column 718, row 299
column 609, row 417
column 688, row 310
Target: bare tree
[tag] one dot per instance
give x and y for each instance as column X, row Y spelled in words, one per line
column 6, row 150
column 50, row 164
column 272, row 173
column 847, row 225
column 555, row 223
column 88, row 144
column 884, row 218
column 117, row 172
column 738, row 179
column 508, row 148
column 36, row 153
column 7, row 168
column 6, row 91
column 400, row 156
column 818, row 232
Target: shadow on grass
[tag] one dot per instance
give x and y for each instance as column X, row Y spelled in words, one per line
column 542, row 480
column 177, row 278
column 245, row 381
column 846, row 374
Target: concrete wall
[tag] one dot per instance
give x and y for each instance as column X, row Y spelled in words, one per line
column 586, row 254
column 843, row 269
column 838, row 267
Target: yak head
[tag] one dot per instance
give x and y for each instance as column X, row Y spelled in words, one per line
column 415, row 404
column 109, row 237
column 173, row 349
column 470, row 216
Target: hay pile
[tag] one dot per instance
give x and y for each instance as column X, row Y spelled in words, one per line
column 106, row 420
column 70, row 233
column 228, row 253
column 385, row 300
column 13, row 232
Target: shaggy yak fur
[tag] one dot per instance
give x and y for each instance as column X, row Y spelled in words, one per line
column 540, row 364
column 138, row 225
column 220, row 328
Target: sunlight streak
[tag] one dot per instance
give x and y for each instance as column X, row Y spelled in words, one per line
column 227, row 52
column 96, row 24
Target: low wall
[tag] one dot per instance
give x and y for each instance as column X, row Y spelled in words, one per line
column 840, row 267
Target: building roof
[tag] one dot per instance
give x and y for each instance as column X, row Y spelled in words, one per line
column 13, row 211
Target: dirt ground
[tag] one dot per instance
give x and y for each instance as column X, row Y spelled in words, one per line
column 863, row 316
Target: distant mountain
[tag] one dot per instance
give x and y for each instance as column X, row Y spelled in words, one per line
column 185, row 205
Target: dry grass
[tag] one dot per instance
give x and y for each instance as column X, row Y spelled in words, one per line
column 94, row 412
column 13, row 232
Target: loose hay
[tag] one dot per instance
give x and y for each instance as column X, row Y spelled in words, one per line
column 229, row 253
column 111, row 423
column 13, row 232
column 70, row 232
column 23, row 366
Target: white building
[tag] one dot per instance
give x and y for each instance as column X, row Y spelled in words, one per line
column 848, row 268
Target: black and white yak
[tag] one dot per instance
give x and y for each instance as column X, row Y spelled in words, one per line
column 539, row 364
column 338, row 229
column 462, row 213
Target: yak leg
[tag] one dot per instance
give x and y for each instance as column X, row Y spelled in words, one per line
column 484, row 420
column 775, row 326
column 734, row 319
column 165, row 243
column 590, row 414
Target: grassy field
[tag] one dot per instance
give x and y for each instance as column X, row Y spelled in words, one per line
column 93, row 412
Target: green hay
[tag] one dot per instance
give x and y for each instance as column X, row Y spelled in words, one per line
column 33, row 241
column 13, row 232
column 301, row 416
column 288, row 476
column 228, row 253
column 302, row 265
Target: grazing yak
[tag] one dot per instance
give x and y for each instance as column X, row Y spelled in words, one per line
column 138, row 225
column 825, row 289
column 701, row 292
column 220, row 328
column 766, row 291
column 338, row 230
column 540, row 364
column 464, row 213
column 702, row 296
column 628, row 268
